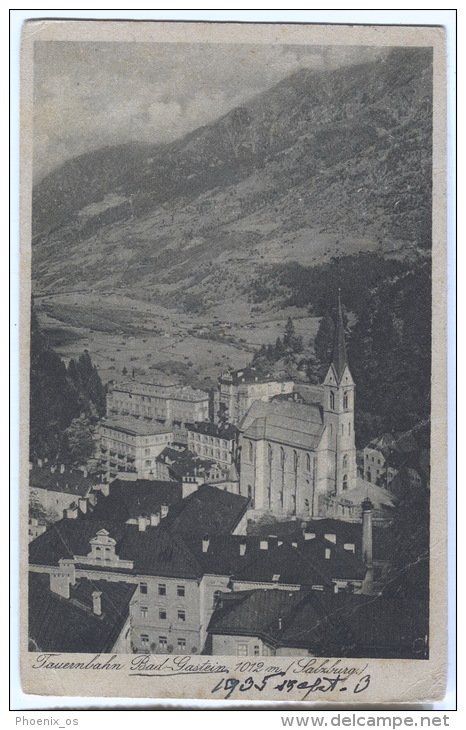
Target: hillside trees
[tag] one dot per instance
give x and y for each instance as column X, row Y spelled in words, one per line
column 59, row 397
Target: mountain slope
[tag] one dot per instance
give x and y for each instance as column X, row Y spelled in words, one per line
column 321, row 164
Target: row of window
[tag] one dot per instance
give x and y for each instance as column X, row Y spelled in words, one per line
column 162, row 589
column 210, row 440
column 242, row 649
column 367, row 457
column 205, row 451
column 181, row 613
column 163, row 642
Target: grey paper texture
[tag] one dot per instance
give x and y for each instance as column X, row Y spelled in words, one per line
column 233, row 363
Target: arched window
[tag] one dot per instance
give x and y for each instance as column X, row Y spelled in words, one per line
column 345, row 400
column 332, row 400
column 345, row 481
column 270, row 454
column 249, row 491
column 250, row 451
column 345, row 461
column 295, row 462
column 282, row 458
column 308, row 462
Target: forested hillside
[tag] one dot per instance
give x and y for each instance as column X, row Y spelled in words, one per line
column 65, row 403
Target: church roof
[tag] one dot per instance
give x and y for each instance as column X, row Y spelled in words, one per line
column 295, row 424
column 339, row 357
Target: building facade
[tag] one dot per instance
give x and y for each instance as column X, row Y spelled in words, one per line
column 171, row 405
column 131, row 446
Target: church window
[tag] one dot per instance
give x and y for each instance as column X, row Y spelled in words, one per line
column 331, row 430
column 345, row 461
column 349, row 429
column 295, row 462
column 269, row 496
column 250, row 451
column 345, row 481
column 345, row 400
column 281, row 499
column 270, row 454
column 342, row 429
column 332, row 400
column 308, row 462
column 282, row 457
column 249, row 491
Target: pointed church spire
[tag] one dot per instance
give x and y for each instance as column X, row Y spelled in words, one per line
column 339, row 359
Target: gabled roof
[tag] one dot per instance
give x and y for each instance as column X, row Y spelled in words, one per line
column 132, row 499
column 208, row 510
column 69, row 625
column 69, row 537
column 325, row 623
column 295, row 424
column 253, row 612
column 71, row 481
column 155, row 551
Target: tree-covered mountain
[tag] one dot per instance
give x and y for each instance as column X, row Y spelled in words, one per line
column 322, row 164
column 65, row 402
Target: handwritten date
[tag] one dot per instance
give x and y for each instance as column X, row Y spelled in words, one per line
column 322, row 684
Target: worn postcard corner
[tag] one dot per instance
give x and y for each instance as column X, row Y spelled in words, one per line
column 233, row 361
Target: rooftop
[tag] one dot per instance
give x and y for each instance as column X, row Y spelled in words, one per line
column 325, row 623
column 70, row 481
column 127, row 500
column 134, row 426
column 227, row 431
column 69, row 625
column 247, row 375
column 295, row 424
column 175, row 392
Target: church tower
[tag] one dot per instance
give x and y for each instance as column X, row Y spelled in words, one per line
column 339, row 415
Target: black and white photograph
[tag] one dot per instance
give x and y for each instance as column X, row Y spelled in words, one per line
column 229, row 371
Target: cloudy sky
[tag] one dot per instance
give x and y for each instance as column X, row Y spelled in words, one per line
column 88, row 95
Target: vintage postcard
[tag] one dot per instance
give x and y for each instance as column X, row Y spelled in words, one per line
column 233, row 386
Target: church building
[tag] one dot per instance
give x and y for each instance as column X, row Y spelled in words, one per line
column 293, row 454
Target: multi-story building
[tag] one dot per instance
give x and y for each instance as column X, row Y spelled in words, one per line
column 56, row 488
column 172, row 405
column 237, row 391
column 214, row 442
column 131, row 446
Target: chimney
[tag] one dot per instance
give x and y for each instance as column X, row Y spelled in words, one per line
column 142, row 523
column 242, row 547
column 331, row 537
column 105, row 489
column 163, row 510
column 367, row 509
column 39, row 462
column 328, row 553
column 279, row 624
column 155, row 519
column 84, row 472
column 52, row 469
column 205, row 543
column 309, row 535
column 294, row 544
column 62, row 468
column 71, row 513
column 63, row 578
column 97, row 603
column 264, row 545
column 82, row 504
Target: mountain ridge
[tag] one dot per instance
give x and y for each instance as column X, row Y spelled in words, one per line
column 322, row 164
